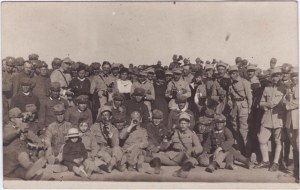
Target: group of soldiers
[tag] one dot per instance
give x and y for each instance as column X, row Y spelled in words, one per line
column 100, row 117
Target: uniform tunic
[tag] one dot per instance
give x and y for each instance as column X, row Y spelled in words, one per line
column 183, row 89
column 61, row 77
column 132, row 106
column 20, row 101
column 117, row 111
column 73, row 114
column 80, row 87
column 16, row 82
column 174, row 118
column 155, row 135
column 100, row 84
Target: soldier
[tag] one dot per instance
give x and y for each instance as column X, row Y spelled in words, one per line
column 103, row 84
column 272, row 121
column 26, row 74
column 62, row 76
column 81, row 110
column 115, row 69
column 175, row 62
column 183, row 148
column 219, row 143
column 20, row 64
column 240, row 101
column 291, row 104
column 25, row 97
column 123, row 84
column 149, row 95
column 169, row 76
column 17, row 162
column 117, row 105
column 200, row 96
column 150, row 74
column 48, row 116
column 74, row 67
column 31, row 118
column 136, row 140
column 137, row 104
column 187, row 75
column 273, row 62
column 177, row 86
column 243, row 69
column 95, row 69
column 204, row 125
column 107, row 137
column 55, row 135
column 80, row 85
column 56, row 63
column 173, row 121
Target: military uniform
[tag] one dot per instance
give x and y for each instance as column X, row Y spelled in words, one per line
column 240, row 95
column 18, row 78
column 73, row 114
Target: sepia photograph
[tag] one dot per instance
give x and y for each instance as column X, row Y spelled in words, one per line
column 126, row 94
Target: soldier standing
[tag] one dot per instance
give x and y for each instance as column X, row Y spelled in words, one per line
column 240, row 100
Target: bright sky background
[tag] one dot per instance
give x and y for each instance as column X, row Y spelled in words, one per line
column 142, row 33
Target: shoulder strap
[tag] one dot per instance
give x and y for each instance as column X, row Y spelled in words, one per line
column 180, row 139
column 235, row 90
column 63, row 77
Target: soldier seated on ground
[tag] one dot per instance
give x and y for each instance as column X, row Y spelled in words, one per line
column 136, row 140
column 16, row 158
column 117, row 105
column 203, row 128
column 183, row 149
column 30, row 117
column 218, row 148
column 107, row 137
column 74, row 153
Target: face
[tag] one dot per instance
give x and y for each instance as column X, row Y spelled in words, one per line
column 55, row 66
column 124, row 76
column 60, row 118
column 221, row 71
column 96, row 71
column 251, row 73
column 32, row 117
column 295, row 80
column 186, row 71
column 87, row 73
column 177, row 76
column 20, row 68
column 234, row 75
column 181, row 105
column 169, row 77
column 156, row 121
column 115, row 72
column 105, row 69
column 272, row 65
column 74, row 139
column 220, row 126
column 138, row 98
column 17, row 121
column 83, row 126
column 151, row 76
column 184, row 125
column 209, row 73
column 54, row 94
column 198, row 79
column 285, row 76
column 161, row 81
column 142, row 78
column 134, row 77
column 106, row 117
column 276, row 78
column 81, row 74
column 117, row 103
column 9, row 69
column 28, row 68
column 25, row 89
column 23, row 136
column 119, row 125
column 43, row 71
column 82, row 107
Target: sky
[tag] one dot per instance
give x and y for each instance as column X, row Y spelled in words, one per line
column 143, row 33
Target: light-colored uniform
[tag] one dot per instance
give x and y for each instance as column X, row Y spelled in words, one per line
column 182, row 89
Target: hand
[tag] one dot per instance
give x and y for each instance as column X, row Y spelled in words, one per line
column 217, row 151
column 69, row 93
column 99, row 94
column 76, row 160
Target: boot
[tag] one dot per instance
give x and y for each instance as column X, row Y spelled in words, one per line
column 156, row 164
column 211, row 168
column 139, row 167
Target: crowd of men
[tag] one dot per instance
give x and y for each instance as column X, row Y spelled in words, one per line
column 102, row 117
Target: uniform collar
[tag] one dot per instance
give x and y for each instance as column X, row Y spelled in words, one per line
column 53, row 99
column 81, row 79
column 219, row 131
column 26, row 94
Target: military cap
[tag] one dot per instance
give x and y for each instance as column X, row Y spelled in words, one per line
column 168, row 72
column 149, row 70
column 232, row 68
column 275, row 71
column 207, row 62
column 238, row 59
column 181, row 99
column 19, row 61
column 142, row 73
column 95, row 65
column 185, row 116
column 67, row 60
column 115, row 66
column 157, row 114
column 294, row 72
column 118, row 96
column 59, row 109
column 273, row 60
column 204, row 120
column 33, row 56
column 135, row 115
column 82, row 99
column 55, row 86
column 73, row 132
column 139, row 92
column 124, row 70
column 26, row 82
column 209, row 113
column 219, row 118
column 56, row 61
column 31, row 108
column 177, row 70
column 10, row 61
column 15, row 113
column 286, row 68
column 221, row 64
column 119, row 118
column 251, row 67
column 209, row 66
column 198, row 59
column 42, row 64
column 80, row 67
column 105, row 108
